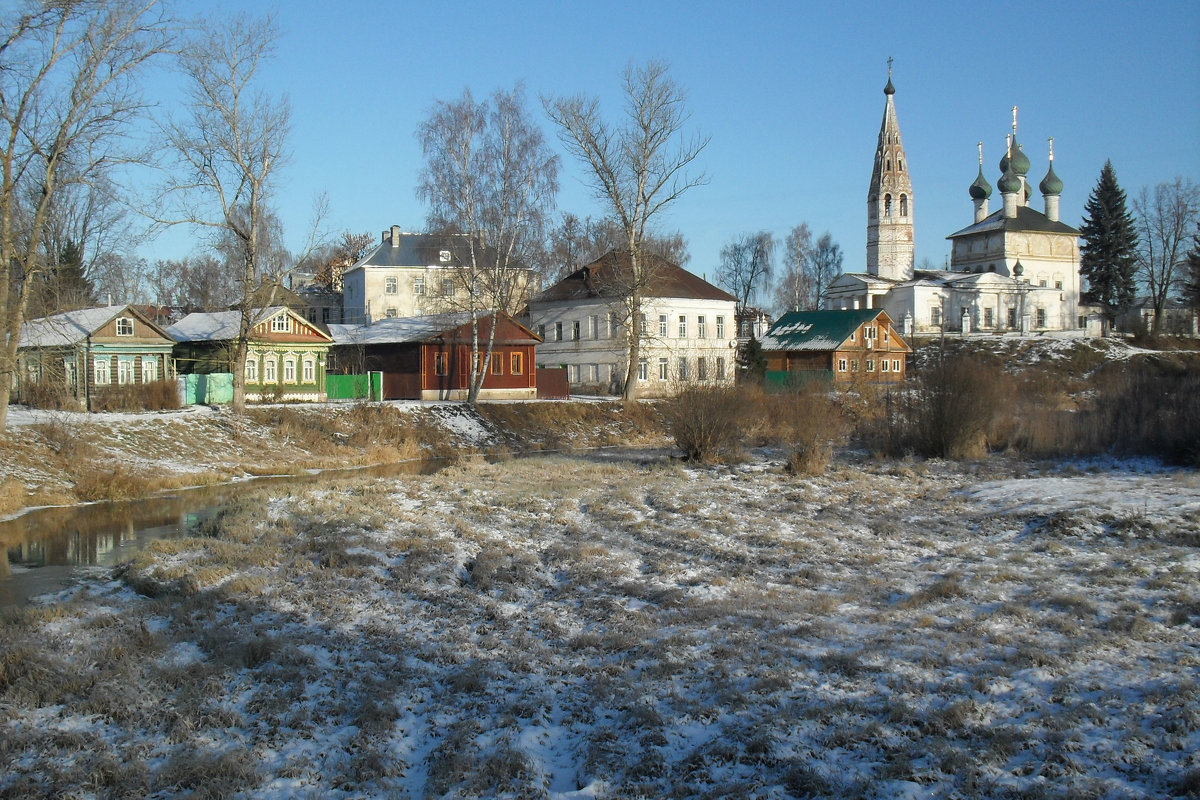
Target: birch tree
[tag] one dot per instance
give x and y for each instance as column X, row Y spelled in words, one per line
column 747, row 263
column 637, row 168
column 228, row 147
column 69, row 94
column 794, row 290
column 490, row 181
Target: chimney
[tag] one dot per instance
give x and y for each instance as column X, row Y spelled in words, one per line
column 395, row 236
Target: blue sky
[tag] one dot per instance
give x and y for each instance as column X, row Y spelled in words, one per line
column 790, row 93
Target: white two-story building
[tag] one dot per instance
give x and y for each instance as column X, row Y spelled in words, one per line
column 689, row 331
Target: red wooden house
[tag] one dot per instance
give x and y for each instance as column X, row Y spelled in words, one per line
column 429, row 358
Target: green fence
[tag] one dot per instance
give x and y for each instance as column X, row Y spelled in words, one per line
column 211, row 389
column 355, row 387
column 783, row 381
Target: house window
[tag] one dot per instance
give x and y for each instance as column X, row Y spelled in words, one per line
column 125, row 370
column 895, row 366
column 720, row 327
column 251, row 370
column 682, row 326
column 683, row 372
column 662, row 369
column 854, row 366
column 558, row 331
column 595, row 325
column 870, row 365
column 391, row 285
column 497, row 363
column 883, row 365
column 575, row 331
column 869, row 332
column 124, row 326
column 447, row 287
column 289, row 369
column 69, row 373
column 390, row 313
column 701, row 328
column 100, row 370
column 281, row 323
column 310, row 370
column 701, row 368
column 720, row 366
column 1040, row 316
column 613, row 326
column 439, row 364
column 643, row 370
column 542, row 331
column 516, row 364
column 841, row 365
column 149, row 369
column 662, row 325
column 854, row 336
column 643, row 330
column 419, row 286
column 269, row 365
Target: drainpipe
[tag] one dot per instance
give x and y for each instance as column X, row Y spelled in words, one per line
column 87, row 366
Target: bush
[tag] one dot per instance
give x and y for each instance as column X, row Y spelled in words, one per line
column 806, row 421
column 707, row 422
column 48, row 394
column 1150, row 408
column 955, row 403
column 153, row 396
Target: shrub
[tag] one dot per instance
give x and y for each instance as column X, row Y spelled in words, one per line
column 153, row 396
column 1149, row 407
column 707, row 422
column 807, row 422
column 955, row 402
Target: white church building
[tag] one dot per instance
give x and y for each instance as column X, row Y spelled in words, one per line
column 1014, row 269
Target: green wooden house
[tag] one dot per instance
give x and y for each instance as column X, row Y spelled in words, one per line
column 286, row 354
column 77, row 358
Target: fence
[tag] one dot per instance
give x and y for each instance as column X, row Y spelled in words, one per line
column 211, row 389
column 354, row 387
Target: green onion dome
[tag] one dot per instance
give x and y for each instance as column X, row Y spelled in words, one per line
column 980, row 189
column 1051, row 184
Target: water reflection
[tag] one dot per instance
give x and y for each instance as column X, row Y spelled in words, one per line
column 44, row 548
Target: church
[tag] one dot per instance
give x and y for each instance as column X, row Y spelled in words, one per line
column 1012, row 270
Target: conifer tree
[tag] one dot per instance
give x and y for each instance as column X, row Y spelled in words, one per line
column 1108, row 254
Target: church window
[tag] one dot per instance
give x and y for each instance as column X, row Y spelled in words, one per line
column 900, row 164
column 887, row 205
column 904, row 205
column 935, row 316
column 991, row 267
column 1041, row 318
column 889, row 165
column 989, row 319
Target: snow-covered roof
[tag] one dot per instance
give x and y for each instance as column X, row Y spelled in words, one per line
column 397, row 330
column 70, row 327
column 215, row 326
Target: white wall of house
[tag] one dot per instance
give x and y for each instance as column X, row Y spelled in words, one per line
column 586, row 339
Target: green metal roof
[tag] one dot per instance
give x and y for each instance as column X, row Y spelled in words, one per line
column 816, row 330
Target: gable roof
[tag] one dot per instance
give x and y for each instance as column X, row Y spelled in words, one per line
column 818, row 330
column 599, row 279
column 222, row 326
column 408, row 330
column 73, row 327
column 1027, row 220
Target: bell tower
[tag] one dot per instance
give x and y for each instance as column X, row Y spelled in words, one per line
column 890, row 200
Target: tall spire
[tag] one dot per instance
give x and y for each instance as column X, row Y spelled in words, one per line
column 890, row 199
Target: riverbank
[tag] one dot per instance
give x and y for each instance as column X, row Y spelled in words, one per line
column 604, row 627
column 59, row 458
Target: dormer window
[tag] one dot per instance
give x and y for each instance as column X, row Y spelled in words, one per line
column 124, row 326
column 444, row 256
column 281, row 324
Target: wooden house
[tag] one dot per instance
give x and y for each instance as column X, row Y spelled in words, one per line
column 75, row 358
column 429, row 357
column 857, row 344
column 285, row 357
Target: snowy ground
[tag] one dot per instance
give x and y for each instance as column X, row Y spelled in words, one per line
column 577, row 627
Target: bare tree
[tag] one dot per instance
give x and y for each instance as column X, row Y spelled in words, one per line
column 334, row 259
column 1165, row 219
column 637, row 169
column 574, row 243
column 826, row 265
column 68, row 92
column 490, row 181
column 794, row 290
column 747, row 263
column 229, row 147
